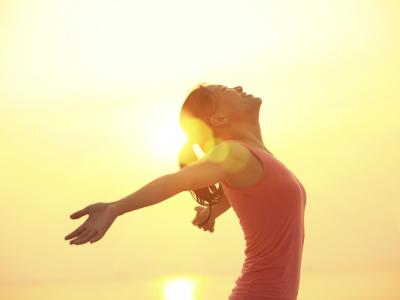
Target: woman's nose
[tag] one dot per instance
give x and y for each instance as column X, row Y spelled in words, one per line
column 239, row 88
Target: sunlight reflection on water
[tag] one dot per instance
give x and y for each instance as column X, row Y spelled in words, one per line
column 350, row 285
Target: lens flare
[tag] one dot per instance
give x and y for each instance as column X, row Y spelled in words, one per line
column 201, row 139
column 196, row 129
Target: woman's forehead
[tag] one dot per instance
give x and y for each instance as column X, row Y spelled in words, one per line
column 216, row 87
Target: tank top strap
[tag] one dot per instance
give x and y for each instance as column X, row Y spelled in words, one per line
column 254, row 150
column 258, row 153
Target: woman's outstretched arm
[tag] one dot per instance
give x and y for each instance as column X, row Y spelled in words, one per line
column 152, row 193
column 204, row 172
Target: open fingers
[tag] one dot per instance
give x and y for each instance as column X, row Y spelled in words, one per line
column 87, row 237
column 75, row 233
column 79, row 213
column 82, row 235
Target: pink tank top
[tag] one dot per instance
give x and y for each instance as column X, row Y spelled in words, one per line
column 271, row 214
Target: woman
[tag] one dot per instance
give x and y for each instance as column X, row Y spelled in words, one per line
column 236, row 171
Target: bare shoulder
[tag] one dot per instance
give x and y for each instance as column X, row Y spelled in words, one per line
column 229, row 149
column 222, row 162
column 232, row 155
column 244, row 168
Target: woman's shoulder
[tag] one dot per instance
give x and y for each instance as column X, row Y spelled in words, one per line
column 245, row 165
column 232, row 154
column 232, row 149
column 241, row 149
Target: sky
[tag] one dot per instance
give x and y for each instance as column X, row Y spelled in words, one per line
column 90, row 93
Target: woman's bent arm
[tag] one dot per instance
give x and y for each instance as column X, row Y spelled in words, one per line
column 222, row 206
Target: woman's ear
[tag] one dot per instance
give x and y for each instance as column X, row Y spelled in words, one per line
column 218, row 119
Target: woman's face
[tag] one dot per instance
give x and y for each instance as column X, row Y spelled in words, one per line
column 234, row 103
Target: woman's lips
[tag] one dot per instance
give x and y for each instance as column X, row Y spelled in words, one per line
column 247, row 95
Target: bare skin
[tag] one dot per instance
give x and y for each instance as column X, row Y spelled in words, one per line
column 101, row 217
column 202, row 214
column 235, row 119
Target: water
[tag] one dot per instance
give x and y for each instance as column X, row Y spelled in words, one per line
column 317, row 285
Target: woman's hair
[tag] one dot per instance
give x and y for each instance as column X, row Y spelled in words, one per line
column 194, row 120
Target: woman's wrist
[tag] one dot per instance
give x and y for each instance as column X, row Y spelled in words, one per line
column 115, row 208
column 219, row 208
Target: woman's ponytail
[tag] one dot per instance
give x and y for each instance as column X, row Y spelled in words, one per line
column 195, row 113
column 207, row 196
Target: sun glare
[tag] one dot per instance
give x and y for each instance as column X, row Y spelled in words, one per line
column 179, row 289
column 166, row 137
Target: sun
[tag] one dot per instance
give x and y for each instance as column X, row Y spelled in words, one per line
column 179, row 289
column 164, row 135
column 167, row 139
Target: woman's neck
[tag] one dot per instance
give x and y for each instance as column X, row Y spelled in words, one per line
column 247, row 133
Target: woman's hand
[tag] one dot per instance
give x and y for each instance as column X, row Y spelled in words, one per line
column 101, row 216
column 201, row 216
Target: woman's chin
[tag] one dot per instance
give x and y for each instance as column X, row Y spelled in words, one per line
column 258, row 99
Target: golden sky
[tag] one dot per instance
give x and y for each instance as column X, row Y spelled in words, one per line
column 90, row 93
